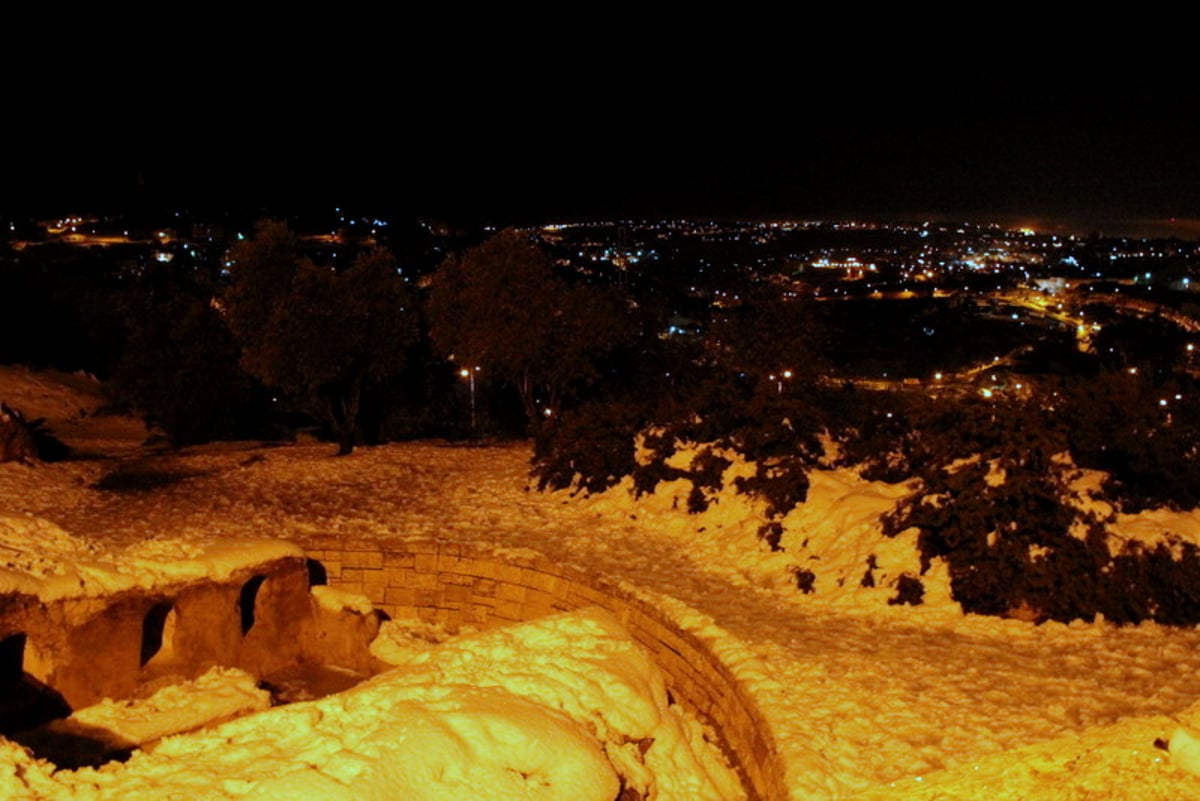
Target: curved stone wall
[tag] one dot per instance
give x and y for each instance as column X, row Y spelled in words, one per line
column 455, row 584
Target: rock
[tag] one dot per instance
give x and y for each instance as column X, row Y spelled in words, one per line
column 17, row 443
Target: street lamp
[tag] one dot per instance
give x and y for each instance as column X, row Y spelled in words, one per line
column 470, row 376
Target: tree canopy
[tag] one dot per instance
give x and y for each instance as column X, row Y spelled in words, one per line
column 502, row 307
column 179, row 363
column 310, row 330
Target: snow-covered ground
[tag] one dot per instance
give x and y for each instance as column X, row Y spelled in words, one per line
column 862, row 697
column 566, row 708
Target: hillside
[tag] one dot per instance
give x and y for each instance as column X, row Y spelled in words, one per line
column 862, row 696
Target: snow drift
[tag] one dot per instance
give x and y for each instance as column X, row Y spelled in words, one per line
column 567, row 707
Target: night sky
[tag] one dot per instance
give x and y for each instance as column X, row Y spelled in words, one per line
column 1070, row 129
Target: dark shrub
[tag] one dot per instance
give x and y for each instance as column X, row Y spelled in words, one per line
column 771, row 533
column 707, row 470
column 782, row 482
column 590, row 447
column 1011, row 545
column 805, row 579
column 909, row 590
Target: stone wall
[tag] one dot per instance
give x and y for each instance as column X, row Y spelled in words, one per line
column 81, row 650
column 456, row 584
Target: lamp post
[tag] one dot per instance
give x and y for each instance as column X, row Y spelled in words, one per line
column 470, row 376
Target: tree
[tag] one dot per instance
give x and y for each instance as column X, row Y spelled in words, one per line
column 179, row 364
column 1143, row 431
column 501, row 307
column 317, row 333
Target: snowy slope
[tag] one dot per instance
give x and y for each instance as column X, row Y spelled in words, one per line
column 859, row 694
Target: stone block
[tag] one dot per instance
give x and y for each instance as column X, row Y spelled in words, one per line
column 398, row 559
column 425, row 581
column 511, row 592
column 542, row 581
column 366, row 559
column 376, row 591
column 400, row 576
column 532, row 611
column 367, row 544
column 404, row 596
column 582, row 595
column 477, row 567
column 539, row 598
column 510, row 574
column 456, row 595
column 405, row 612
column 509, row 610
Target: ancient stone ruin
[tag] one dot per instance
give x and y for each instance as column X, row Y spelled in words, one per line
column 67, row 642
column 60, row 654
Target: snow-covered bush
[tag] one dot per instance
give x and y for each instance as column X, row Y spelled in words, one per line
column 990, row 499
column 591, row 448
column 1142, row 429
column 782, row 482
column 705, row 470
column 1015, row 536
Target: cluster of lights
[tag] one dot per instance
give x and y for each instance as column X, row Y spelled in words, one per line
column 779, row 378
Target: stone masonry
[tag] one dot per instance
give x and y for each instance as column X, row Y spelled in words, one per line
column 456, row 584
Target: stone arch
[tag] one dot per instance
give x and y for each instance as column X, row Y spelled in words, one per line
column 12, row 659
column 247, row 597
column 318, row 576
column 158, row 633
column 25, row 702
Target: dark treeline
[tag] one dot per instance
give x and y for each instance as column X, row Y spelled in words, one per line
column 363, row 342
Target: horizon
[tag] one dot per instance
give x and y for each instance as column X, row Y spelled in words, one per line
column 1099, row 142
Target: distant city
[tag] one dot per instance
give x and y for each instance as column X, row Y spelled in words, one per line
column 1021, row 276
